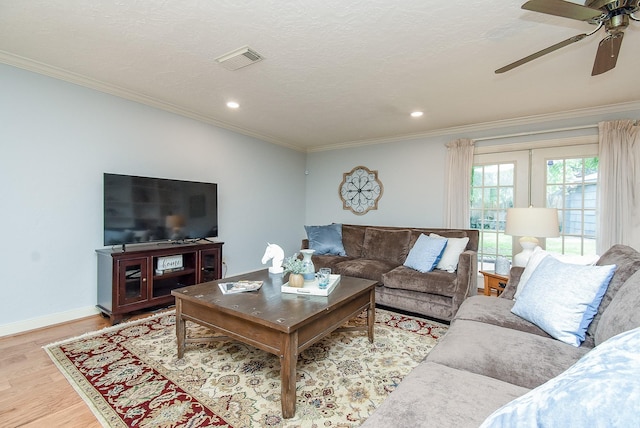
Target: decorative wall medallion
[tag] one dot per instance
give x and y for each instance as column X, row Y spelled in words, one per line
column 360, row 190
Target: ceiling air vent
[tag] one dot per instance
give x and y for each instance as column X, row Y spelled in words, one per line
column 239, row 58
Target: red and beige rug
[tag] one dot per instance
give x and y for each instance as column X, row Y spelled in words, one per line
column 129, row 375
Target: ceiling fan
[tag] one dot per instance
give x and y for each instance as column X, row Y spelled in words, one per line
column 613, row 15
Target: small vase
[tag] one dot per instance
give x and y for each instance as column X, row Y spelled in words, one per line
column 296, row 280
column 310, row 270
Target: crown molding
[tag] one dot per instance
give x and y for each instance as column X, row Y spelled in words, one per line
column 466, row 130
column 78, row 79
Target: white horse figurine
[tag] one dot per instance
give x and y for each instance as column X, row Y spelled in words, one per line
column 276, row 253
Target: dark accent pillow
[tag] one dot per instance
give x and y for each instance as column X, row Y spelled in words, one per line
column 326, row 239
column 390, row 245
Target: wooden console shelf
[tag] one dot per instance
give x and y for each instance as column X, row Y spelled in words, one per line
column 129, row 280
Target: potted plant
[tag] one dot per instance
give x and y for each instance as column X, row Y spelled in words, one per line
column 295, row 267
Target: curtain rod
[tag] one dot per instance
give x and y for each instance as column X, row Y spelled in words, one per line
column 546, row 131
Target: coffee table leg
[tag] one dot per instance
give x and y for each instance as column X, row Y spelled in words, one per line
column 181, row 328
column 288, row 361
column 371, row 314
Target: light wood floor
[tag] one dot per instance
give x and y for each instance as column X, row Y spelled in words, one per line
column 33, row 393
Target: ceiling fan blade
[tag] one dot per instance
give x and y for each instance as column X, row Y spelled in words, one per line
column 541, row 53
column 562, row 8
column 607, row 55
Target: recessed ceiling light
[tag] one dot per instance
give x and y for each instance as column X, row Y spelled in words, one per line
column 233, row 104
column 416, row 114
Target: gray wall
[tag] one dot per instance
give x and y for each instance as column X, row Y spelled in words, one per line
column 57, row 139
column 411, row 172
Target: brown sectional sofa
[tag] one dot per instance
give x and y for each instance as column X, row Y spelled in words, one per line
column 378, row 253
column 489, row 357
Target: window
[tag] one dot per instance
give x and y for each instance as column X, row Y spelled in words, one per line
column 564, row 177
column 571, row 188
column 492, row 192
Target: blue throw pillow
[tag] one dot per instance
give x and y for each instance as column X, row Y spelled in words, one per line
column 563, row 298
column 600, row 390
column 425, row 253
column 326, row 239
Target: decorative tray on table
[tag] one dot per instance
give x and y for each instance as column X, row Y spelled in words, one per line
column 311, row 288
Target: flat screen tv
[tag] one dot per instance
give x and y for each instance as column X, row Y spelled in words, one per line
column 145, row 209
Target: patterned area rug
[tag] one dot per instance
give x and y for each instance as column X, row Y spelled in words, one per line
column 130, row 376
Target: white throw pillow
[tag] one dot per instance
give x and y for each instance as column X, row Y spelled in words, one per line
column 451, row 255
column 533, row 262
column 539, row 254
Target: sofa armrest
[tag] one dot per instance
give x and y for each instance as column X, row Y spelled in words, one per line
column 512, row 284
column 305, row 244
column 467, row 278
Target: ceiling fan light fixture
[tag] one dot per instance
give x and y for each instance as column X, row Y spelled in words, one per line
column 614, row 15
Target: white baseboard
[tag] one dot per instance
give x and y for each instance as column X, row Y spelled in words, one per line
column 46, row 321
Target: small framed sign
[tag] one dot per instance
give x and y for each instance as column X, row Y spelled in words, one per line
column 169, row 263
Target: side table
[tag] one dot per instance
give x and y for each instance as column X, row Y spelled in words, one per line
column 494, row 281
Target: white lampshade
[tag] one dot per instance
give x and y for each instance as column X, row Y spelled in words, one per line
column 540, row 222
column 531, row 223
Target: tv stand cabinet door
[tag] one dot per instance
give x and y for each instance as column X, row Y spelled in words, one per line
column 210, row 264
column 132, row 283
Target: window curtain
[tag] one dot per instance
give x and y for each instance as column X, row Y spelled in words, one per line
column 458, row 183
column 619, row 187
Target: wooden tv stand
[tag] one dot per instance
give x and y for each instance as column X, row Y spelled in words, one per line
column 130, row 280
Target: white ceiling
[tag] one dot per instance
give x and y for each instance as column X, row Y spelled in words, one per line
column 335, row 72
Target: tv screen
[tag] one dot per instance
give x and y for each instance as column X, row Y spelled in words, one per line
column 145, row 209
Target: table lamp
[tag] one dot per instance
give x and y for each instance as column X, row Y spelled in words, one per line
column 530, row 223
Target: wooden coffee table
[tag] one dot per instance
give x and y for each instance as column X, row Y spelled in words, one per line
column 279, row 323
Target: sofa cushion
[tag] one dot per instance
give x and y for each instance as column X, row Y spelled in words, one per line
column 563, row 298
column 352, row 239
column 326, row 239
column 389, row 245
column 328, row 261
column 433, row 395
column 628, row 261
column 513, row 356
column 600, row 390
column 365, row 268
column 623, row 313
column 435, row 282
column 488, row 309
column 425, row 253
